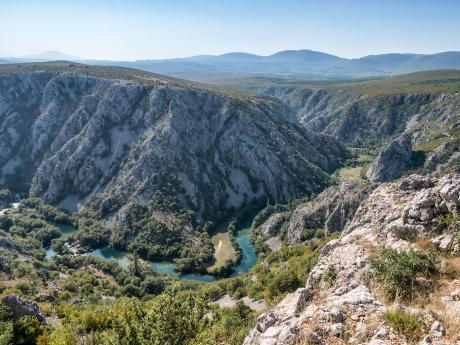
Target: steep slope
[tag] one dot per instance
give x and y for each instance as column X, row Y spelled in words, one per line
column 370, row 114
column 111, row 139
column 346, row 299
column 355, row 118
column 330, row 211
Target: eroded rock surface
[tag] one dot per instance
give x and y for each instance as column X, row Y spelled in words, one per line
column 337, row 303
column 106, row 142
column 20, row 307
column 392, row 162
column 330, row 210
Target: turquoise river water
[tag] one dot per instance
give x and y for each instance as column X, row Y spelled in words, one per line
column 248, row 260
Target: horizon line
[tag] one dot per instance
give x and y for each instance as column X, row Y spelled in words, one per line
column 76, row 58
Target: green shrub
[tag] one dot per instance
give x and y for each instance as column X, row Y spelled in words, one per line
column 406, row 274
column 405, row 323
column 6, row 333
column 27, row 329
column 283, row 282
column 25, row 287
column 330, row 276
column 229, row 326
column 70, row 286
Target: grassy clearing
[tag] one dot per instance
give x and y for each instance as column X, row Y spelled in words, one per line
column 355, row 171
column 350, row 174
column 223, row 249
column 365, row 158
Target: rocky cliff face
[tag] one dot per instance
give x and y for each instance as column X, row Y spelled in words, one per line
column 20, row 307
column 343, row 307
column 392, row 162
column 92, row 136
column 331, row 210
column 371, row 120
column 367, row 119
column 357, row 119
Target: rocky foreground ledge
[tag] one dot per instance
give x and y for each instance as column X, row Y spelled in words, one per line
column 343, row 307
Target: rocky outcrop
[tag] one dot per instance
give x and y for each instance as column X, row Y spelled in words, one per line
column 9, row 244
column 109, row 137
column 280, row 323
column 341, row 305
column 20, row 307
column 330, row 210
column 392, row 162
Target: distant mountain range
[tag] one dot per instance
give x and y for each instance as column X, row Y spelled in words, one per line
column 288, row 63
column 52, row 56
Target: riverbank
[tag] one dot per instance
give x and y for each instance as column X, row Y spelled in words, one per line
column 222, row 241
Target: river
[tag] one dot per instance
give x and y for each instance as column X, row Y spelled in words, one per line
column 248, row 259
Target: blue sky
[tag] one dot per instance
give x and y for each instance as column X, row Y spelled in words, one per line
column 141, row 29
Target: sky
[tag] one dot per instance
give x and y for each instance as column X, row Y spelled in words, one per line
column 156, row 29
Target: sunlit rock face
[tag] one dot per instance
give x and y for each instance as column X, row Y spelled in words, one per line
column 80, row 140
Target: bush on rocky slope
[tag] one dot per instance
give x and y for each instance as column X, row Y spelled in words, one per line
column 406, row 323
column 404, row 275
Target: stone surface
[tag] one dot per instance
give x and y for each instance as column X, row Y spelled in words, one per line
column 21, row 307
column 443, row 241
column 392, row 162
column 437, row 329
column 330, row 210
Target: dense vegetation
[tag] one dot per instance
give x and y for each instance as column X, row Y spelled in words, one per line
column 79, row 291
column 6, row 197
column 172, row 318
column 275, row 274
column 151, row 239
column 98, row 301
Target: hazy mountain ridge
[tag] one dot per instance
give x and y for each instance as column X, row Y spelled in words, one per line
column 297, row 63
column 284, row 63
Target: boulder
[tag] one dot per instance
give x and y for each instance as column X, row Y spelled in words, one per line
column 20, row 307
column 437, row 329
column 443, row 241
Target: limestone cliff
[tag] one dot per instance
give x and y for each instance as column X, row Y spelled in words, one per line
column 330, row 211
column 392, row 162
column 109, row 137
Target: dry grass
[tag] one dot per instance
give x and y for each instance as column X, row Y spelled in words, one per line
column 424, row 243
column 351, row 174
column 451, row 322
column 398, row 200
column 452, row 268
column 369, row 246
column 223, row 249
column 426, row 81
